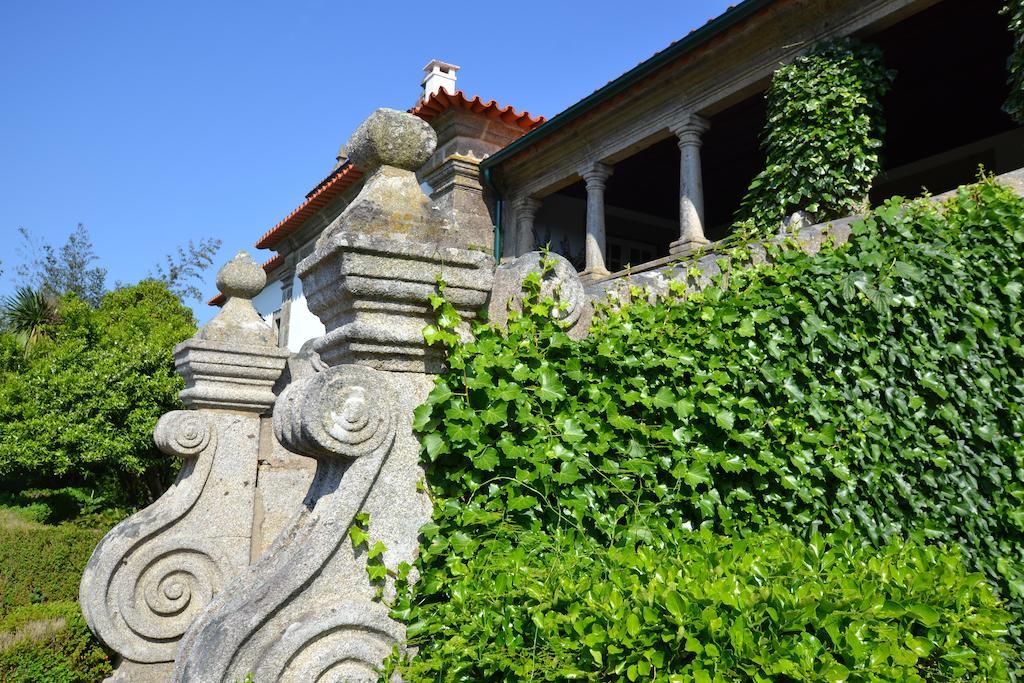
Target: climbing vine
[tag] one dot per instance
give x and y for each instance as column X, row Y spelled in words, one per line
column 822, row 137
column 643, row 504
column 1014, row 105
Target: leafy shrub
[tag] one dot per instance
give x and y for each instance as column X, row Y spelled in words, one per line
column 878, row 385
column 705, row 607
column 52, row 643
column 824, row 129
column 81, row 408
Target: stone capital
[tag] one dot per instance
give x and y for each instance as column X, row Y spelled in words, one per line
column 596, row 175
column 689, row 129
column 526, row 206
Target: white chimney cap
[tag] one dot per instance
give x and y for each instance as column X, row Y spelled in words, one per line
column 437, row 75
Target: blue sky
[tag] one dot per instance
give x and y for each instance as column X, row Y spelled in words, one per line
column 158, row 122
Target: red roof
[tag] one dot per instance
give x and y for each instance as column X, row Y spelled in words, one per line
column 442, row 101
column 323, row 194
column 270, row 265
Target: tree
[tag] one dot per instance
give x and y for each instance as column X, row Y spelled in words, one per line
column 80, row 410
column 27, row 313
column 185, row 268
column 63, row 270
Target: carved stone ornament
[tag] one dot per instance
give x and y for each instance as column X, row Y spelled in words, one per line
column 279, row 619
column 154, row 573
column 307, row 609
column 559, row 281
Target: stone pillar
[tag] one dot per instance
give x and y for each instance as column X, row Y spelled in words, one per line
column 596, row 176
column 309, row 610
column 459, row 194
column 154, row 573
column 526, row 211
column 691, row 186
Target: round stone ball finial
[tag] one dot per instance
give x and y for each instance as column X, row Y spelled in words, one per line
column 241, row 277
column 391, row 138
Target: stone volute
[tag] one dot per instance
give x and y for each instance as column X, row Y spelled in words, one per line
column 308, row 610
column 153, row 574
column 559, row 282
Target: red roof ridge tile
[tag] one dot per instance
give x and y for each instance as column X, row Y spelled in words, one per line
column 442, row 100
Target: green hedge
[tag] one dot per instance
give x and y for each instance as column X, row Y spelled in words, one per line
column 50, row 642
column 43, row 636
column 79, row 410
column 707, row 607
column 41, row 563
column 879, row 385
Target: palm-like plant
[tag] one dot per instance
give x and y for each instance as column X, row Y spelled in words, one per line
column 27, row 313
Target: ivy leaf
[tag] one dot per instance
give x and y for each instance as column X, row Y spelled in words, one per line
column 551, row 388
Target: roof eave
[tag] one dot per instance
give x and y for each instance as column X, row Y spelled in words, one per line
column 697, row 38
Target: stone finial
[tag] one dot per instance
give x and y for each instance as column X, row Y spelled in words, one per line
column 233, row 361
column 389, row 147
column 241, row 277
column 391, row 138
column 239, row 280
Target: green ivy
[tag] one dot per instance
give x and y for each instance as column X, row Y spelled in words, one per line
column 879, row 386
column 1014, row 105
column 703, row 607
column 825, row 126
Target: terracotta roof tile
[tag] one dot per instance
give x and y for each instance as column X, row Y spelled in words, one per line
column 442, row 100
column 323, row 194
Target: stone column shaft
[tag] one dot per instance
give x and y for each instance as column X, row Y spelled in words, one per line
column 526, row 211
column 691, row 185
column 595, row 177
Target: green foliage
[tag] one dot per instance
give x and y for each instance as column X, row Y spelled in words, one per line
column 183, row 272
column 824, row 129
column 1014, row 105
column 51, row 643
column 878, row 386
column 42, row 563
column 359, row 535
column 704, row 607
column 65, row 270
column 43, row 636
column 81, row 409
column 27, row 314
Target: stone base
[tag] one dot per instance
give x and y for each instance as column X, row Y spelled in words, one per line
column 686, row 247
column 593, row 274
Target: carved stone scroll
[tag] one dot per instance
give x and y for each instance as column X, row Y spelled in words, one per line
column 307, row 610
column 559, row 281
column 154, row 573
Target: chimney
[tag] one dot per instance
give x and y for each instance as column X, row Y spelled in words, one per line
column 437, row 75
column 341, row 158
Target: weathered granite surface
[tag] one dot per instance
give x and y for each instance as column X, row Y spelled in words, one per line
column 155, row 572
column 307, row 609
column 559, row 281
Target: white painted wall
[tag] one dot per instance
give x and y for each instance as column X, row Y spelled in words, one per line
column 303, row 325
column 269, row 300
